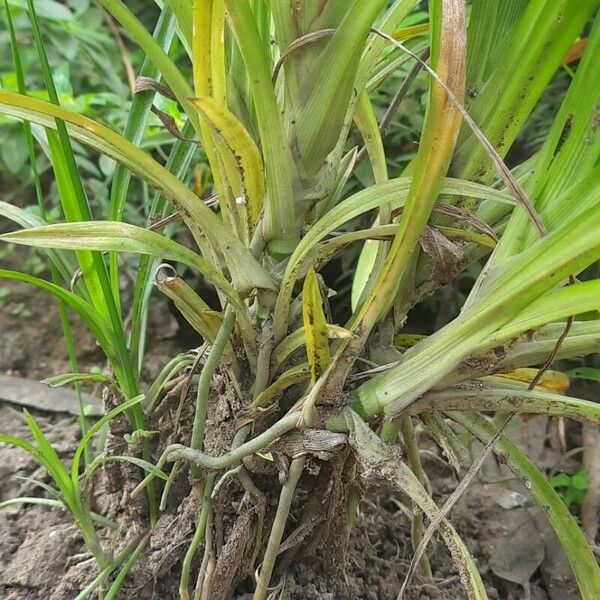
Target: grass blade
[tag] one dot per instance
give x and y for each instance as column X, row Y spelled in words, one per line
column 120, row 237
column 99, row 424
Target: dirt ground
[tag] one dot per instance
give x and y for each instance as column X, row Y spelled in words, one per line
column 39, row 546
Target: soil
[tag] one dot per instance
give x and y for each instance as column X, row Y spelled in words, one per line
column 42, row 555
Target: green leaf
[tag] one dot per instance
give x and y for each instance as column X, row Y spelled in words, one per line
column 195, row 311
column 134, row 131
column 584, row 373
column 13, row 154
column 580, row 480
column 491, row 393
column 178, row 163
column 524, row 65
column 244, row 153
column 76, row 207
column 366, row 122
column 282, row 226
column 66, row 378
column 292, row 376
column 138, row 33
column 298, row 338
column 138, row 462
column 583, row 338
column 560, row 480
column 72, row 195
column 330, row 85
column 182, row 9
column 565, row 176
column 120, row 237
column 515, row 286
column 49, row 9
column 438, row 139
column 26, row 446
column 555, row 305
column 491, row 22
column 60, row 265
column 26, row 219
column 131, row 403
column 51, row 503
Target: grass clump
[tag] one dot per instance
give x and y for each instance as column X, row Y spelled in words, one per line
column 278, row 93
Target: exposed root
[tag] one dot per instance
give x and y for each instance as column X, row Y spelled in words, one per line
column 283, row 510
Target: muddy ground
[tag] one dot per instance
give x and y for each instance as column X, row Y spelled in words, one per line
column 39, row 546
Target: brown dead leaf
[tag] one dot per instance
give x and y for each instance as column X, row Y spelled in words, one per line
column 446, row 255
column 519, row 554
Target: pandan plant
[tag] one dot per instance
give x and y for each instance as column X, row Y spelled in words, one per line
column 282, row 411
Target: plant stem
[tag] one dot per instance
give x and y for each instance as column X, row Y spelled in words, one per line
column 216, row 463
column 283, row 510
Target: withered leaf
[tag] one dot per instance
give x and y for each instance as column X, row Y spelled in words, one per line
column 520, row 553
column 446, row 255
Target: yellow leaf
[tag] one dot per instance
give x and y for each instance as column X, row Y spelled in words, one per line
column 195, row 311
column 551, row 381
column 408, row 33
column 315, row 327
column 208, row 49
column 408, row 340
column 240, row 154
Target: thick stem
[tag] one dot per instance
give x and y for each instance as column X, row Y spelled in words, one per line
column 177, row 452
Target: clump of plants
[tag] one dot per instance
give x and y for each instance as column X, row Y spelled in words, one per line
column 283, row 411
